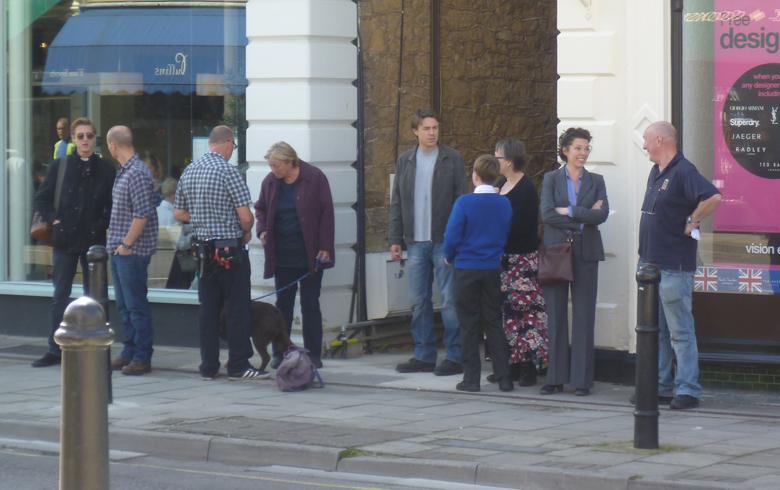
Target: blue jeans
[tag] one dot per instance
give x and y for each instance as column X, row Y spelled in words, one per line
column 425, row 260
column 64, row 269
column 129, row 277
column 677, row 335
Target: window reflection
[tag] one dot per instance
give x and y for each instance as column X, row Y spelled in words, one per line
column 186, row 75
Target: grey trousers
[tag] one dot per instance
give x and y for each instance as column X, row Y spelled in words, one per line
column 576, row 368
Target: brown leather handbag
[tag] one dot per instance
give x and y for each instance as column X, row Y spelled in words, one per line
column 555, row 263
column 40, row 230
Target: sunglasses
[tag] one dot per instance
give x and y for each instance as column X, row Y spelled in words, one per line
column 81, row 136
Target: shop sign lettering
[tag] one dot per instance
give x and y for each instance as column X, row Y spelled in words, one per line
column 730, row 16
column 176, row 69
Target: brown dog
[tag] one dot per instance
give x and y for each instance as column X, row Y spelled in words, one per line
column 266, row 325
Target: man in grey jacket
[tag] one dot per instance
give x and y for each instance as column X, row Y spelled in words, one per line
column 428, row 179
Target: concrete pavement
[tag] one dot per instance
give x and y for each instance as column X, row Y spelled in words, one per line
column 371, row 419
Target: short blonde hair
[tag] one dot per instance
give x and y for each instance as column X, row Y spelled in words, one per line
column 486, row 168
column 282, row 151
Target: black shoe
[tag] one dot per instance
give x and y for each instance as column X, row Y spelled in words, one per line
column 491, row 378
column 415, row 366
column 662, row 399
column 463, row 386
column 448, row 368
column 506, row 384
column 683, row 402
column 550, row 389
column 528, row 374
column 277, row 359
column 47, row 360
column 582, row 392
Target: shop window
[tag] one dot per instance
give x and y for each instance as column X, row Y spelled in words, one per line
column 730, row 100
column 169, row 73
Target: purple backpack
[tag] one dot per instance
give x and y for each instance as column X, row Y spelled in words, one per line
column 297, row 372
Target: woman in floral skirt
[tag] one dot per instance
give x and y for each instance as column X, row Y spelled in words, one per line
column 525, row 320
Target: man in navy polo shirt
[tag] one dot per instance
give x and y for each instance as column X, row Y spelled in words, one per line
column 677, row 198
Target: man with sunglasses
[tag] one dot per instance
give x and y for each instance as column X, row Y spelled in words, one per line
column 75, row 197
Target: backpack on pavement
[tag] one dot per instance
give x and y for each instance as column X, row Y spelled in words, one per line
column 297, row 371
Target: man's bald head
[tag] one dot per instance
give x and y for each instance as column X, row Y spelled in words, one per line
column 121, row 136
column 665, row 130
column 660, row 142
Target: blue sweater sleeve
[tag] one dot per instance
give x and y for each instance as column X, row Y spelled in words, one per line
column 453, row 234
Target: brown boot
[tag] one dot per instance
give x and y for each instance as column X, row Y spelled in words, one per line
column 137, row 368
column 118, row 363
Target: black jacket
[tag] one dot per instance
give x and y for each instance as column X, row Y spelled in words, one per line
column 85, row 202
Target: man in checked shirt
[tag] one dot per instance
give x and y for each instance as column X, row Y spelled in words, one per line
column 214, row 198
column 132, row 239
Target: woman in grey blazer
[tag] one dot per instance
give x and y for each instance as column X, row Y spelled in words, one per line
column 573, row 204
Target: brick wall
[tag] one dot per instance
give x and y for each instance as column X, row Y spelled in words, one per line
column 741, row 376
column 498, row 79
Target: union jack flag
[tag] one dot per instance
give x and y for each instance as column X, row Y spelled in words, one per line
column 705, row 279
column 751, row 280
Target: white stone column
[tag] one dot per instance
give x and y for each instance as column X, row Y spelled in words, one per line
column 300, row 65
column 614, row 63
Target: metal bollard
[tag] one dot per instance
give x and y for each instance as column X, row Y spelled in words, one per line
column 646, row 385
column 97, row 259
column 84, row 336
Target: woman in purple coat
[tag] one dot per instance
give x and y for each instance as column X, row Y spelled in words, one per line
column 295, row 224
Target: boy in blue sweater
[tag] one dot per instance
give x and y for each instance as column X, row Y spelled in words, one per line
column 474, row 242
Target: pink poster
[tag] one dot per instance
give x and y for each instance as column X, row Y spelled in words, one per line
column 747, row 121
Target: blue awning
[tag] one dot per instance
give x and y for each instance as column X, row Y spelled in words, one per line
column 147, row 50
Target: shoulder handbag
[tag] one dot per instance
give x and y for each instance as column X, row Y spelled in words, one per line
column 555, row 263
column 40, row 230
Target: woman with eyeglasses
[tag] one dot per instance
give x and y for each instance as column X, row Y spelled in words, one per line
column 525, row 320
column 295, row 224
column 573, row 204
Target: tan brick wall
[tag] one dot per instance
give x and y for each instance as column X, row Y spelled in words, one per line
column 498, row 74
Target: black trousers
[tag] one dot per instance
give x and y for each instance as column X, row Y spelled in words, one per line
column 478, row 304
column 228, row 288
column 310, row 305
column 64, row 271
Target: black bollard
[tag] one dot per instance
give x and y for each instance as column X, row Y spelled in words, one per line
column 97, row 289
column 646, row 386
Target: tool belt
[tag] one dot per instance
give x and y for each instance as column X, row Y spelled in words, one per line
column 224, row 253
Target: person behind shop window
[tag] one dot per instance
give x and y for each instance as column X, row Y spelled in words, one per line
column 295, row 224
column 474, row 242
column 132, row 240
column 79, row 220
column 177, row 277
column 677, row 199
column 64, row 146
column 165, row 208
column 524, row 313
column 153, row 164
column 573, row 205
column 419, row 209
column 213, row 197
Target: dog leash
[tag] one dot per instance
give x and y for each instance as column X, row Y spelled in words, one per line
column 317, row 265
